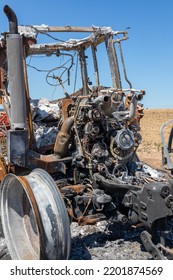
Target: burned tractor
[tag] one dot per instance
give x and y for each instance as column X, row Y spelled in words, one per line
column 91, row 170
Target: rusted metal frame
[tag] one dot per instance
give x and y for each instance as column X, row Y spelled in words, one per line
column 63, row 138
column 65, row 105
column 50, row 163
column 49, row 48
column 93, row 48
column 123, row 38
column 89, row 29
column 97, row 36
column 84, row 74
column 113, row 61
column 66, row 28
column 123, row 64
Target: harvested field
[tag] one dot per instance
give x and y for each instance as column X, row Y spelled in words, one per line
column 150, row 149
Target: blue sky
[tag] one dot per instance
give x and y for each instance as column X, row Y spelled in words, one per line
column 148, row 53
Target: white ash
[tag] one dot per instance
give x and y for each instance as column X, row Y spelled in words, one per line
column 44, row 110
column 43, row 113
column 104, row 242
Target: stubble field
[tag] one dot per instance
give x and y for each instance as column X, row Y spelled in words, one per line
column 149, row 150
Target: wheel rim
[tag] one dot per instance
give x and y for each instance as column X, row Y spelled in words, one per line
column 34, row 217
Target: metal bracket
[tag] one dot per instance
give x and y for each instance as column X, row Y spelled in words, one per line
column 155, row 250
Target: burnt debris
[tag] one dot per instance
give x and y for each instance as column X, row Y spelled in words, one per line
column 87, row 169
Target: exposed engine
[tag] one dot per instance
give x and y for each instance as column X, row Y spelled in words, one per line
column 101, row 135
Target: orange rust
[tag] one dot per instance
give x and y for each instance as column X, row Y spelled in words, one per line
column 3, row 171
column 33, row 202
column 70, row 212
column 139, row 110
column 63, row 137
column 88, row 220
column 75, row 188
column 29, row 113
column 4, row 120
column 128, row 99
column 2, row 78
column 47, row 162
column 65, row 105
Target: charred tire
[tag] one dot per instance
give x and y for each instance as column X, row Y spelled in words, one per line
column 34, row 217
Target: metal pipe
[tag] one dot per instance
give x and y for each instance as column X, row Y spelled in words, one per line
column 63, row 137
column 133, row 106
column 104, row 103
column 123, row 64
column 16, row 73
column 83, row 71
column 113, row 61
column 13, row 24
column 95, row 65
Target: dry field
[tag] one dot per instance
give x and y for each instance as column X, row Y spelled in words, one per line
column 150, row 149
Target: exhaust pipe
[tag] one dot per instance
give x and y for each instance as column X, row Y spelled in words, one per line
column 18, row 135
column 18, row 113
column 104, row 103
column 13, row 25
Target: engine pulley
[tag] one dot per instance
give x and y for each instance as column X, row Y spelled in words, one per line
column 92, row 129
column 124, row 139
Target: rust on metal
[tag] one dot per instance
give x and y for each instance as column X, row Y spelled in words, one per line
column 73, row 188
column 63, row 137
column 89, row 220
column 66, row 103
column 33, row 202
column 3, row 171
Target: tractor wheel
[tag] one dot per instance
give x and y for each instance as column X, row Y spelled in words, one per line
column 34, row 217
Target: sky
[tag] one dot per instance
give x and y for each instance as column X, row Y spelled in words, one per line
column 148, row 53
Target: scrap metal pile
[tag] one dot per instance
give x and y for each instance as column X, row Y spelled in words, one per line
column 87, row 168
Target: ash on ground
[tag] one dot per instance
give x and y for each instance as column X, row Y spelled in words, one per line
column 106, row 241
column 103, row 241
